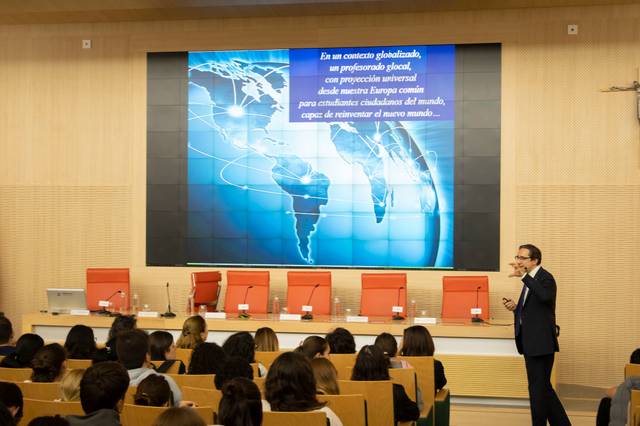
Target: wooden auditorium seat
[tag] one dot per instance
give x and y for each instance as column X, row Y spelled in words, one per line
column 204, row 381
column 423, row 366
column 294, row 418
column 41, row 391
column 136, row 415
column 15, row 374
column 341, row 362
column 267, row 358
column 379, row 398
column 35, row 408
column 350, row 408
column 202, row 397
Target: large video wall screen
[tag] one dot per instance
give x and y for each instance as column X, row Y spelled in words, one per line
column 385, row 157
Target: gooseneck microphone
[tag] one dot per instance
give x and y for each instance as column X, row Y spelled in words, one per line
column 168, row 314
column 309, row 315
column 476, row 318
column 104, row 310
column 396, row 315
column 245, row 314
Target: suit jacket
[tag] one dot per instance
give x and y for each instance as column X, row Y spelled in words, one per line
column 535, row 319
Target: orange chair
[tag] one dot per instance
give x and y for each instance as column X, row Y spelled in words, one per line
column 460, row 294
column 380, row 292
column 206, row 289
column 250, row 287
column 300, row 286
column 102, row 283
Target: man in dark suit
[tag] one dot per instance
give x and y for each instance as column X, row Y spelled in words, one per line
column 535, row 333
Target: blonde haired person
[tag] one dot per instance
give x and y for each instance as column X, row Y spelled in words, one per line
column 266, row 340
column 194, row 332
column 70, row 385
column 326, row 376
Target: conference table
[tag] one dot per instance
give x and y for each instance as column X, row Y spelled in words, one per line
column 481, row 360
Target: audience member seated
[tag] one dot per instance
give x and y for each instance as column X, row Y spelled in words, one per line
column 6, row 419
column 49, row 421
column 206, row 358
column 604, row 409
column 194, row 332
column 153, row 391
column 242, row 344
column 314, row 347
column 179, row 416
column 371, row 365
column 417, row 341
column 341, row 341
column 11, row 398
column 133, row 353
column 120, row 324
column 233, row 367
column 48, row 364
column 26, row 347
column 266, row 340
column 162, row 348
column 241, row 403
column 6, row 335
column 80, row 343
column 290, row 386
column 326, row 376
column 70, row 385
column 102, row 391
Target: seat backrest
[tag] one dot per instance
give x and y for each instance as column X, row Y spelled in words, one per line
column 257, row 297
column 184, row 355
column 301, row 284
column 73, row 364
column 407, row 378
column 15, row 374
column 351, row 409
column 128, row 397
column 342, row 362
column 35, row 408
column 207, row 287
column 102, row 283
column 634, row 408
column 380, row 292
column 631, row 370
column 460, row 294
column 204, row 381
column 294, row 418
column 267, row 358
column 134, row 415
column 202, row 397
column 379, row 397
column 423, row 366
column 259, row 381
column 42, row 391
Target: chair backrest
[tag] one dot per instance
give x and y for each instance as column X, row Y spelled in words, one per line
column 257, row 297
column 460, row 294
column 102, row 283
column 184, row 355
column 42, row 391
column 342, row 362
column 631, row 370
column 35, row 408
column 128, row 397
column 204, row 381
column 301, row 284
column 423, row 366
column 207, row 288
column 83, row 364
column 267, row 358
column 634, row 408
column 407, row 378
column 381, row 292
column 294, row 418
column 351, row 409
column 135, row 415
column 259, row 381
column 15, row 374
column 256, row 369
column 379, row 397
column 202, row 397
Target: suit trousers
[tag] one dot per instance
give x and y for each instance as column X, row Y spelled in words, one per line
column 545, row 404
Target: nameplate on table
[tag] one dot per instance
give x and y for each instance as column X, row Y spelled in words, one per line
column 148, row 314
column 476, row 311
column 356, row 318
column 243, row 306
column 215, row 315
column 103, row 303
column 83, row 312
column 424, row 320
column 397, row 309
column 290, row 317
column 307, row 308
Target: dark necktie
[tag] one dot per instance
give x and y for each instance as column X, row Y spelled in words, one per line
column 519, row 306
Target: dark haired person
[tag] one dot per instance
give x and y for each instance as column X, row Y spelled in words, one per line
column 80, row 342
column 153, row 391
column 233, row 367
column 120, row 324
column 417, row 341
column 341, row 341
column 49, row 364
column 314, row 347
column 179, row 416
column 6, row 334
column 241, row 403
column 371, row 365
column 242, row 344
column 291, row 386
column 133, row 354
column 49, row 421
column 536, row 335
column 102, row 391
column 6, row 419
column 26, row 347
column 162, row 348
column 11, row 397
column 206, row 358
